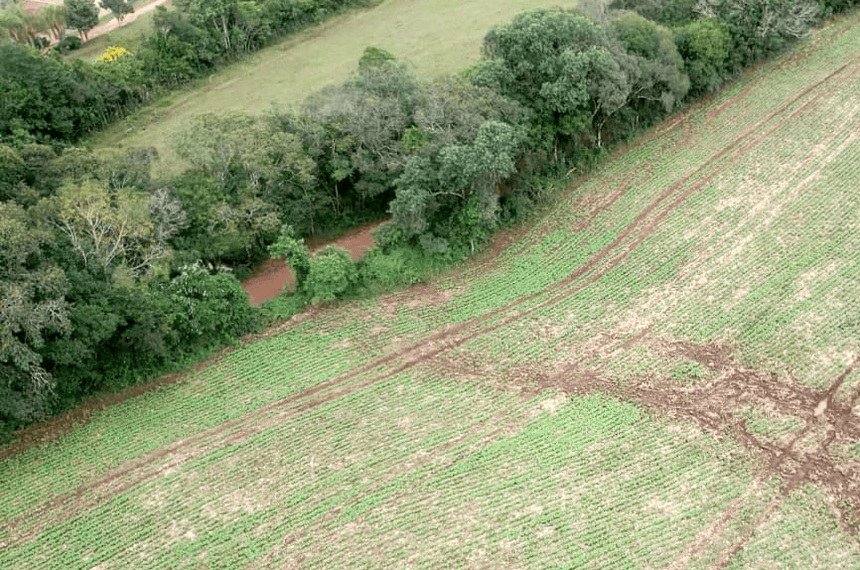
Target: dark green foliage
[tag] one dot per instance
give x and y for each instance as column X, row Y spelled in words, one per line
column 653, row 67
column 374, row 57
column 33, row 307
column 11, row 171
column 666, row 12
column 396, row 264
column 760, row 27
column 557, row 63
column 81, row 15
column 542, row 58
column 207, row 310
column 43, row 100
column 295, row 251
column 433, row 189
column 69, row 43
column 705, row 46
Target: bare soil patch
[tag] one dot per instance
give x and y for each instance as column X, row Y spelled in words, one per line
column 712, row 406
column 270, row 277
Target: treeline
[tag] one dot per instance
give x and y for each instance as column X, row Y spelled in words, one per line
column 48, row 101
column 109, row 276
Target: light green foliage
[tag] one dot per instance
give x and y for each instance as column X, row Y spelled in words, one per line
column 20, row 26
column 254, row 169
column 688, row 371
column 105, row 226
column 119, row 8
column 332, row 273
column 218, row 145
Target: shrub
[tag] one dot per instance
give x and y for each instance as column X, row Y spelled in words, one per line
column 332, row 274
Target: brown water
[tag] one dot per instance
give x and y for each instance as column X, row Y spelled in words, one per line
column 270, row 277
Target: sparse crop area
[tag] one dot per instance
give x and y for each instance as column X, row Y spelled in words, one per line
column 664, row 372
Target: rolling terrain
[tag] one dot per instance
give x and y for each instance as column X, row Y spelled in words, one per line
column 662, row 371
column 436, row 37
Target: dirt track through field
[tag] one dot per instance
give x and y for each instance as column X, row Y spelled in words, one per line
column 173, row 456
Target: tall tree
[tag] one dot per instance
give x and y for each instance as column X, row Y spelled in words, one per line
column 81, row 15
column 31, row 305
column 54, row 19
column 21, row 26
column 105, row 227
column 119, row 8
column 216, row 16
column 647, row 54
column 452, row 196
column 557, row 63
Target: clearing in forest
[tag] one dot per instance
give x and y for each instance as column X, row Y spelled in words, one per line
column 662, row 372
column 436, row 36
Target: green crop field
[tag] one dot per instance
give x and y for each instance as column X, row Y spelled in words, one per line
column 659, row 372
column 435, row 36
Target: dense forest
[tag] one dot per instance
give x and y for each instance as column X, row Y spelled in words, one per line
column 109, row 275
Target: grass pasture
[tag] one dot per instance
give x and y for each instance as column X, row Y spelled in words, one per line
column 662, row 372
column 436, row 36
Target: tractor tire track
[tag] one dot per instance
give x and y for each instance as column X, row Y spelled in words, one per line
column 777, row 457
column 235, row 431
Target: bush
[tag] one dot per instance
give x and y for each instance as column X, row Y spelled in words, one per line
column 380, row 271
column 69, row 43
column 332, row 274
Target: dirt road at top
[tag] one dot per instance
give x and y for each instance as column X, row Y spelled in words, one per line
column 109, row 26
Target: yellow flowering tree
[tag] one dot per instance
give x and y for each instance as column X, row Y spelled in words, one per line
column 113, row 54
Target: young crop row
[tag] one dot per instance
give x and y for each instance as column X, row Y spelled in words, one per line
column 583, row 483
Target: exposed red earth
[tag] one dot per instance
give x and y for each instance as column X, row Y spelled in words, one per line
column 269, row 278
column 796, row 459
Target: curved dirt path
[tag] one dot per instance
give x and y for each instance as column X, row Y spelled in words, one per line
column 113, row 24
column 33, row 6
column 270, row 277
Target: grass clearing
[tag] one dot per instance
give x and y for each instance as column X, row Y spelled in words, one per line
column 662, row 372
column 436, row 36
column 130, row 35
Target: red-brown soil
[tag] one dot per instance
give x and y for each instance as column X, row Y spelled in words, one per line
column 270, row 277
column 714, row 405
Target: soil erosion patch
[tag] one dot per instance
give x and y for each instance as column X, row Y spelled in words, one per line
column 270, row 277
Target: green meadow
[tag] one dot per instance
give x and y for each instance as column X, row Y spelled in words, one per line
column 436, row 37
